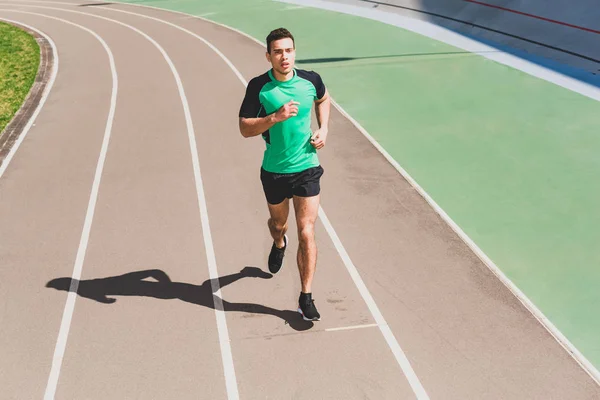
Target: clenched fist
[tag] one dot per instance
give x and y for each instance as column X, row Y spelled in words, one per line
column 286, row 111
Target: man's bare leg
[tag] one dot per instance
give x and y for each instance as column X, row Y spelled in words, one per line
column 278, row 222
column 306, row 209
column 278, row 227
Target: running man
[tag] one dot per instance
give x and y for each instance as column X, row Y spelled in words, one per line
column 278, row 106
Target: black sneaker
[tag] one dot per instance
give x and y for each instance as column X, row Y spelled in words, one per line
column 307, row 308
column 276, row 256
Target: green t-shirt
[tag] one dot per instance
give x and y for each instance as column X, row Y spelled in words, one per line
column 288, row 147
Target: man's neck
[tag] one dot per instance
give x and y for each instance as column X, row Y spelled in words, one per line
column 283, row 77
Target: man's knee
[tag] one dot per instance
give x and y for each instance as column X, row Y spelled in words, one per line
column 306, row 232
column 277, row 225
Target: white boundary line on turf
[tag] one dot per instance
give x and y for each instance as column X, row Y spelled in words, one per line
column 224, row 342
column 421, row 27
column 45, row 95
column 65, row 325
column 385, row 330
column 568, row 83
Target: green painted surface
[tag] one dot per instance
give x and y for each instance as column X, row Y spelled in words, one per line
column 513, row 160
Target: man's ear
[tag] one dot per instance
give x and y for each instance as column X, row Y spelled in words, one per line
column 268, row 56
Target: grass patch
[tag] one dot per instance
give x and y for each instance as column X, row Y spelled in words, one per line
column 19, row 61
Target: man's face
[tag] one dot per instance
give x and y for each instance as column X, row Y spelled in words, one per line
column 282, row 56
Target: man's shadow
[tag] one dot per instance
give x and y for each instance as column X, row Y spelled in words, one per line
column 135, row 284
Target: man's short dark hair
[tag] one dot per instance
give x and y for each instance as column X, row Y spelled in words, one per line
column 279, row 33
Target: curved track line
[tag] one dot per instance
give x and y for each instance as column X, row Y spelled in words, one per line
column 65, row 325
column 47, row 89
column 226, row 355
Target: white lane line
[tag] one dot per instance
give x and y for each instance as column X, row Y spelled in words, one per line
column 45, row 94
column 206, row 42
column 348, row 328
column 401, row 358
column 504, row 58
column 226, row 355
column 65, row 325
column 385, row 330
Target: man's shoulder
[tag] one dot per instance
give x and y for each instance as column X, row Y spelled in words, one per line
column 315, row 79
column 308, row 74
column 260, row 80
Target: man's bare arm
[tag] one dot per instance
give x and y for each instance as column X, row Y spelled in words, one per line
column 322, row 107
column 250, row 127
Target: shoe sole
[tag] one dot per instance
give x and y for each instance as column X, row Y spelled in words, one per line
column 307, row 319
column 275, row 271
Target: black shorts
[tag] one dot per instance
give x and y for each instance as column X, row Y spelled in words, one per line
column 278, row 187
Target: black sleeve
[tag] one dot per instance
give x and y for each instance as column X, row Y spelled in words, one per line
column 251, row 104
column 320, row 86
column 315, row 79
